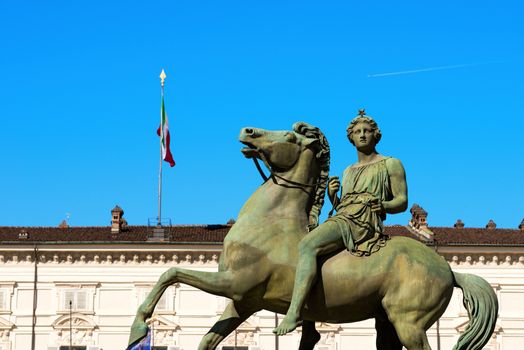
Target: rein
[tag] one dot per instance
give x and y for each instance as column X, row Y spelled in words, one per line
column 255, row 160
column 273, row 174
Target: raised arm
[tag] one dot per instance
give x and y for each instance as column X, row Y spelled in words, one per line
column 399, row 187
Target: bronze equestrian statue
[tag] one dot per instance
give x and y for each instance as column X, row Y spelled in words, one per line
column 400, row 282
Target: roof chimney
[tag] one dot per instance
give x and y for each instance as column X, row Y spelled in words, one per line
column 521, row 226
column 63, row 224
column 459, row 224
column 117, row 219
column 23, row 234
column 418, row 222
column 418, row 217
column 491, row 225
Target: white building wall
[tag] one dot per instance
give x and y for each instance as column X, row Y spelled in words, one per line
column 116, row 279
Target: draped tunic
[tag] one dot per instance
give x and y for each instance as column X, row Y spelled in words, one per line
column 363, row 230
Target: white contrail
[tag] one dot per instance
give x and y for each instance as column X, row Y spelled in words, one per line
column 425, row 69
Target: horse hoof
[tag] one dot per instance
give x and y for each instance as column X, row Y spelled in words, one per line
column 139, row 331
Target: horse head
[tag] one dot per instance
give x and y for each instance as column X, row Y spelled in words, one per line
column 295, row 158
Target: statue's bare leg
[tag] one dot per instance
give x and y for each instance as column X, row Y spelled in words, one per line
column 233, row 316
column 323, row 240
column 310, row 336
column 218, row 283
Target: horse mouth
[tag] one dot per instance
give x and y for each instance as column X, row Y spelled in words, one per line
column 250, row 151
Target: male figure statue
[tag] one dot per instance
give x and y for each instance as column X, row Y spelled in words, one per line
column 372, row 187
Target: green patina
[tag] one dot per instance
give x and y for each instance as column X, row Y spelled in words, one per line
column 272, row 253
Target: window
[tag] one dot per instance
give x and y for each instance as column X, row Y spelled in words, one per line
column 80, row 295
column 162, row 304
column 76, row 299
column 166, row 302
column 4, row 300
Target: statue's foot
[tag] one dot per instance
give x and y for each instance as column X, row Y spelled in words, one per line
column 288, row 324
column 139, row 330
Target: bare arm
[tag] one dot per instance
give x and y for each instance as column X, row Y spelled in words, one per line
column 399, row 187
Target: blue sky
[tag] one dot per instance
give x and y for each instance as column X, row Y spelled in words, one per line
column 79, row 102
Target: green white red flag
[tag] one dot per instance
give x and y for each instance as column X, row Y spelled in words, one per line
column 163, row 132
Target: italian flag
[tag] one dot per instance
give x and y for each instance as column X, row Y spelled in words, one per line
column 163, row 132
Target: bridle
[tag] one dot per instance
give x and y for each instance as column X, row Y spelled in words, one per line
column 274, row 174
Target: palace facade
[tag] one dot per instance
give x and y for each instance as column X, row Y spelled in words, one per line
column 84, row 285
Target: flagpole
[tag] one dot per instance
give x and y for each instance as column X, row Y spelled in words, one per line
column 162, row 78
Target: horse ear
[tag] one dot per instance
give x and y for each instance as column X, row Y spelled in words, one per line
column 315, row 145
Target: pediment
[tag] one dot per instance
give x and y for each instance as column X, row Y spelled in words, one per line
column 248, row 326
column 162, row 323
column 327, row 327
column 324, row 327
column 78, row 321
column 244, row 335
column 5, row 324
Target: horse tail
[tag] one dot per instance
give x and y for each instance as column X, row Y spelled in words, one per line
column 482, row 305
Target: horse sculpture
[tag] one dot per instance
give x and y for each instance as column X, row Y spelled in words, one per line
column 405, row 286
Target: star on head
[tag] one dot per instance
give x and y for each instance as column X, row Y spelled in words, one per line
column 362, row 112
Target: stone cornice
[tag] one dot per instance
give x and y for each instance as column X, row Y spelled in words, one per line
column 485, row 260
column 210, row 258
column 108, row 258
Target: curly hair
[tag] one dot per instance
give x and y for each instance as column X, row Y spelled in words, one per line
column 323, row 156
column 364, row 119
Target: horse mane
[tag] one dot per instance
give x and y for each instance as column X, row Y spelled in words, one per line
column 323, row 157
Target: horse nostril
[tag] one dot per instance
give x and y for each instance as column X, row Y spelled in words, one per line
column 250, row 132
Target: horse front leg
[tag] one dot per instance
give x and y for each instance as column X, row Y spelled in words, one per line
column 217, row 283
column 233, row 316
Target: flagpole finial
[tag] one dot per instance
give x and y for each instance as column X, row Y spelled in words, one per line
column 162, row 77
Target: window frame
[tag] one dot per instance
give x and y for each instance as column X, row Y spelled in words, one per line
column 6, row 289
column 168, row 298
column 62, row 306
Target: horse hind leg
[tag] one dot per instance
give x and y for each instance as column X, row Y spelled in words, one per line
column 412, row 336
column 310, row 336
column 387, row 338
column 413, row 311
column 233, row 316
column 410, row 324
column 410, row 330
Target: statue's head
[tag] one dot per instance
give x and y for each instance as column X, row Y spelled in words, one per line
column 363, row 118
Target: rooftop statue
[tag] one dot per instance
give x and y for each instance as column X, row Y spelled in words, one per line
column 400, row 282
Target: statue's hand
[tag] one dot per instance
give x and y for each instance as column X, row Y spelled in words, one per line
column 333, row 186
column 377, row 206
